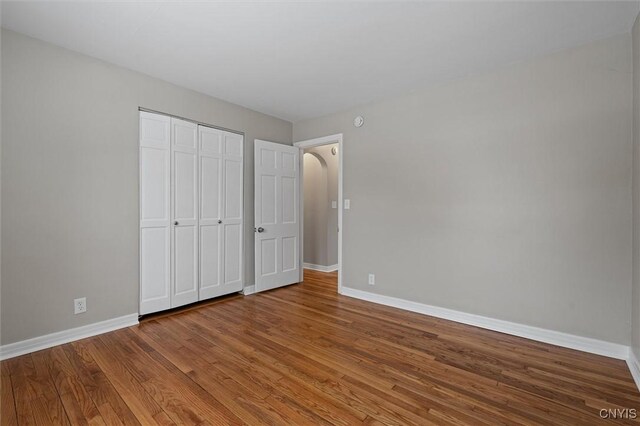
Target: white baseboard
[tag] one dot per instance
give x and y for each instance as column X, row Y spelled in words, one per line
column 320, row 268
column 249, row 290
column 585, row 344
column 43, row 342
column 634, row 367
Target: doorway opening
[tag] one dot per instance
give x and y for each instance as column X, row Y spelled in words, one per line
column 321, row 205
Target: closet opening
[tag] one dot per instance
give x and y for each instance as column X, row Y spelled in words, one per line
column 191, row 212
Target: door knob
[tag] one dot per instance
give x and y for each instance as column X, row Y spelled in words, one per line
column 261, row 229
column 176, row 223
column 219, row 221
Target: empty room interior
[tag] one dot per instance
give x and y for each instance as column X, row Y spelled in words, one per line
column 339, row 212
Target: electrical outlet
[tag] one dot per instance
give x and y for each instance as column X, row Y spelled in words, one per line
column 334, row 204
column 79, row 305
column 347, row 204
column 372, row 279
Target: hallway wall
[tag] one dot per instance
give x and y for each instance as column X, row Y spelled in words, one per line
column 320, row 218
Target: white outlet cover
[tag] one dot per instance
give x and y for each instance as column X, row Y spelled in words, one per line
column 334, row 204
column 80, row 305
column 347, row 204
column 372, row 279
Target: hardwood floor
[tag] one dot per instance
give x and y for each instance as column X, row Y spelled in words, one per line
column 305, row 355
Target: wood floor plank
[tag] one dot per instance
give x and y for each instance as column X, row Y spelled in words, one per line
column 52, row 401
column 94, row 381
column 304, row 354
column 7, row 403
column 75, row 398
column 132, row 392
column 182, row 399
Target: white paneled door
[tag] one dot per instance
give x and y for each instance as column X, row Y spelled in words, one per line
column 184, row 197
column 155, row 213
column 191, row 212
column 232, row 208
column 221, row 212
column 277, row 216
column 211, row 141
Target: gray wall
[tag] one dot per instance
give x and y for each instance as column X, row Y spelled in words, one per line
column 70, row 181
column 506, row 195
column 635, row 297
column 320, row 219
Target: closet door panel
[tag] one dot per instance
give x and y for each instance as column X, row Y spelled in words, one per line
column 185, row 176
column 233, row 255
column 154, row 185
column 233, row 144
column 211, row 143
column 211, row 140
column 210, row 255
column 155, row 237
column 232, row 189
column 154, row 130
column 232, row 195
column 184, row 133
column 154, row 270
column 210, row 178
column 185, row 269
column 185, row 212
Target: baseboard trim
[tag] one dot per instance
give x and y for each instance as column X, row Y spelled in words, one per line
column 634, row 367
column 320, row 268
column 249, row 290
column 54, row 339
column 585, row 344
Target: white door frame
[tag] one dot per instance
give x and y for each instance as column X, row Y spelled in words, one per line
column 311, row 143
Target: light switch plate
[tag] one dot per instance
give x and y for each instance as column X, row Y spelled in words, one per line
column 347, row 204
column 334, row 204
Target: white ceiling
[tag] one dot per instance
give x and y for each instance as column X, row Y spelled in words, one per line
column 303, row 60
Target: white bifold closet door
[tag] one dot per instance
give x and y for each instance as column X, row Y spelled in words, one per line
column 155, row 212
column 184, row 203
column 191, row 205
column 221, row 173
